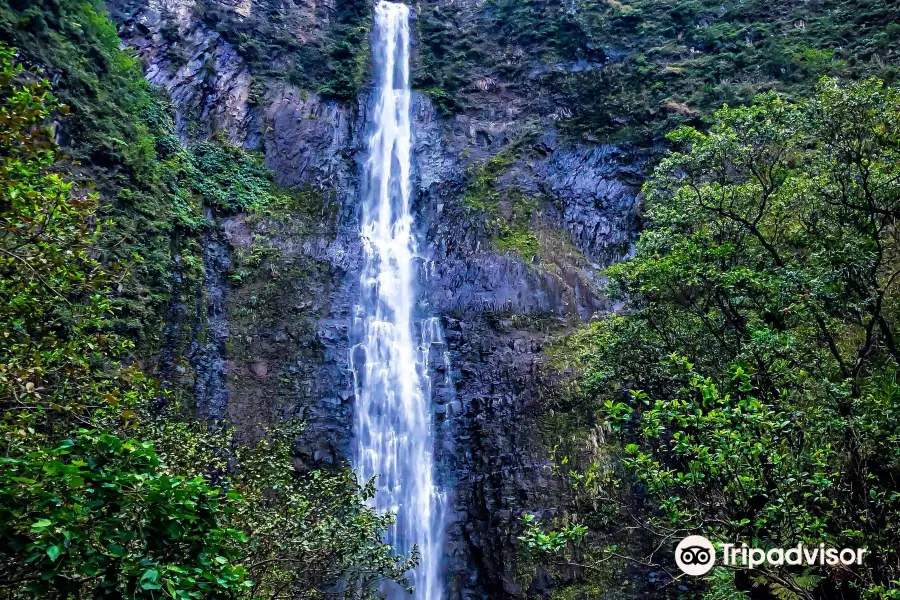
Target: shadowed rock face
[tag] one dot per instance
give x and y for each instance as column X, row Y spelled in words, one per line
column 307, row 139
column 282, row 342
column 207, row 80
column 498, row 314
column 208, row 352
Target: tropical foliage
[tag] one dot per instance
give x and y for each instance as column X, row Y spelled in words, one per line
column 106, row 490
column 752, row 385
column 632, row 70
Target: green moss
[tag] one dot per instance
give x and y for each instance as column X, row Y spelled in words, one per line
column 514, row 229
column 332, row 61
column 519, row 239
column 273, row 310
column 121, row 135
column 510, row 212
column 304, row 210
column 482, row 193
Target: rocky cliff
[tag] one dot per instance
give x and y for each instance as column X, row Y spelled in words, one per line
column 515, row 220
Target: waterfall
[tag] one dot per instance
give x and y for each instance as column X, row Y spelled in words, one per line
column 389, row 359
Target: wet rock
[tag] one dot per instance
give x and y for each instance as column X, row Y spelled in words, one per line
column 324, row 456
column 259, row 369
column 497, row 311
column 208, row 353
column 306, row 139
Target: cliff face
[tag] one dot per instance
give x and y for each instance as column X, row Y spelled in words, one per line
column 515, row 220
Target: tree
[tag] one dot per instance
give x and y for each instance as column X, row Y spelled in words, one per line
column 53, row 292
column 98, row 517
column 88, row 508
column 753, row 381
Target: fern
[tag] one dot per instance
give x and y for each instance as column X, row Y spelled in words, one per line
column 721, row 586
column 806, row 582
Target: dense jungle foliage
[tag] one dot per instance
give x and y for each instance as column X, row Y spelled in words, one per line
column 108, row 488
column 750, row 391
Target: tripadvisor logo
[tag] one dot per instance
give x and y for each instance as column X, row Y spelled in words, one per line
column 696, row 555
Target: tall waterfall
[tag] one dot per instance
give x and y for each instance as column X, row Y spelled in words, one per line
column 390, row 355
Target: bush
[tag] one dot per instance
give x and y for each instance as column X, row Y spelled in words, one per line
column 97, row 516
column 86, row 505
column 753, row 382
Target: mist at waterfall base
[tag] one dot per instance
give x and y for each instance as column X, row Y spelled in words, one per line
column 389, row 357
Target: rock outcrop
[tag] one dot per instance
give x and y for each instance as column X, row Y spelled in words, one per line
column 279, row 347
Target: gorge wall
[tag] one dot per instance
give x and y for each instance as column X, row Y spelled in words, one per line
column 216, row 152
column 517, row 218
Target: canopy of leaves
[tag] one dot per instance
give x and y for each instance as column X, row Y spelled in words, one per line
column 97, row 516
column 87, row 508
column 753, row 383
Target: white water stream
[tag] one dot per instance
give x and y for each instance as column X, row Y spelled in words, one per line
column 393, row 422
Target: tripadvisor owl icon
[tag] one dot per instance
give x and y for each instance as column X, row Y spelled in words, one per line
column 695, row 555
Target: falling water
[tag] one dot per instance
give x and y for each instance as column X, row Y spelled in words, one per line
column 390, row 358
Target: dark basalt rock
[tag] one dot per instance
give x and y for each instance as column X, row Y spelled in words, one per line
column 207, row 354
column 498, row 312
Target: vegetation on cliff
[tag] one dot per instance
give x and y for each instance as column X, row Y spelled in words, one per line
column 630, row 71
column 751, row 387
column 332, row 62
column 108, row 488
